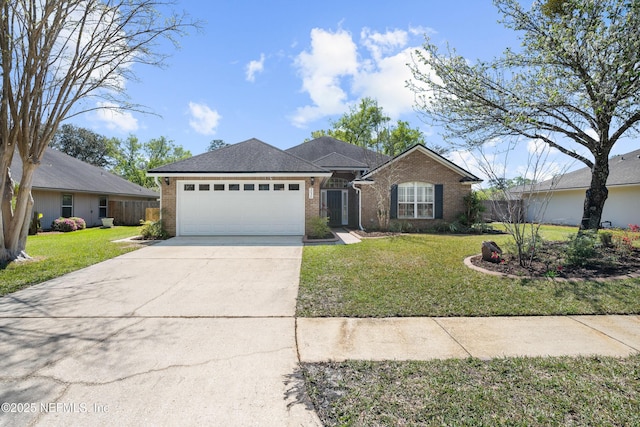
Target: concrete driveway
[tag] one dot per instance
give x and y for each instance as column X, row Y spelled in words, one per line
column 191, row 331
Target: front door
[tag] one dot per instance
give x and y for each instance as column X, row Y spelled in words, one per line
column 334, row 207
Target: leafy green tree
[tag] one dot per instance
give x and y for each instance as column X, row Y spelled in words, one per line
column 130, row 162
column 57, row 56
column 367, row 126
column 85, row 145
column 574, row 84
column 216, row 143
column 134, row 158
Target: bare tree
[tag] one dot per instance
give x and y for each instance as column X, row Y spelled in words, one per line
column 522, row 208
column 61, row 58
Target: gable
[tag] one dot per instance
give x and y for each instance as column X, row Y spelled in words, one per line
column 420, row 156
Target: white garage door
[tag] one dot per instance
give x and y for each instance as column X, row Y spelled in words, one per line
column 240, row 208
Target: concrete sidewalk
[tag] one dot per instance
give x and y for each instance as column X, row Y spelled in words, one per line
column 337, row 339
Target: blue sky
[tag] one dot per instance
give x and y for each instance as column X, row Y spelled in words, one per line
column 279, row 70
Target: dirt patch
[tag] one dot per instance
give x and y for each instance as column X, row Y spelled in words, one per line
column 551, row 262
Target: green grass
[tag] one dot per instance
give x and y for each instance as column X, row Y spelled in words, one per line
column 424, row 275
column 583, row 391
column 57, row 254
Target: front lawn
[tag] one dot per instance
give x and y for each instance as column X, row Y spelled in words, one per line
column 57, row 254
column 424, row 275
column 583, row 391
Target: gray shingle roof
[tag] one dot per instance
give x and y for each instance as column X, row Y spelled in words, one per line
column 59, row 171
column 338, row 161
column 320, row 147
column 623, row 170
column 251, row 156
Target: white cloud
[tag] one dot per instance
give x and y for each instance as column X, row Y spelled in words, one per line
column 114, row 119
column 254, row 67
column 380, row 44
column 332, row 56
column 538, row 147
column 203, row 120
column 386, row 82
column 473, row 163
column 336, row 72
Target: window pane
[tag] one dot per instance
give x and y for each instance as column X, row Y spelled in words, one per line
column 67, row 211
column 103, row 202
column 278, row 187
column 234, row 187
column 67, row 200
column 102, row 212
column 218, row 187
column 294, row 187
column 204, row 187
column 425, row 210
column 422, row 193
column 405, row 210
column 249, row 187
column 411, row 194
column 402, row 194
column 263, row 187
column 189, row 187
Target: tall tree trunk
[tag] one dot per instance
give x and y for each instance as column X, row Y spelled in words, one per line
column 597, row 194
column 15, row 222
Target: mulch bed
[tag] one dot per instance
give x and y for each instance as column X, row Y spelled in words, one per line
column 372, row 234
column 550, row 263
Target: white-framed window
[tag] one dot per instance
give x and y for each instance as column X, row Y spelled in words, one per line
column 102, row 206
column 415, row 200
column 67, row 205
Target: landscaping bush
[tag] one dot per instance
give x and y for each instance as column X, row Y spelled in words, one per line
column 80, row 223
column 153, row 230
column 581, row 248
column 318, row 228
column 68, row 224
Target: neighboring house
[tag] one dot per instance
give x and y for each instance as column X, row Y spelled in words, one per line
column 254, row 188
column 566, row 193
column 64, row 186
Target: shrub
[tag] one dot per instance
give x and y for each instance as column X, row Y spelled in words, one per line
column 606, row 238
column 623, row 242
column 153, row 230
column 318, row 228
column 64, row 224
column 34, row 225
column 581, row 248
column 473, row 208
column 80, row 223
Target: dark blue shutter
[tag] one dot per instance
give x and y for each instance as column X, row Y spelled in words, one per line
column 393, row 209
column 439, row 211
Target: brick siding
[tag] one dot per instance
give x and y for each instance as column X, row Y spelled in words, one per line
column 416, row 166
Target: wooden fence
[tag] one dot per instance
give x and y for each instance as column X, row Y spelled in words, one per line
column 499, row 210
column 131, row 212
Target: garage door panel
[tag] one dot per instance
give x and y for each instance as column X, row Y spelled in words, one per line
column 240, row 212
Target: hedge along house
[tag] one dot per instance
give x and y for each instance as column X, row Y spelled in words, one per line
column 64, row 186
column 254, row 188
